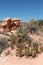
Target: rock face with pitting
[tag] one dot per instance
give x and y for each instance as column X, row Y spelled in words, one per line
column 10, row 24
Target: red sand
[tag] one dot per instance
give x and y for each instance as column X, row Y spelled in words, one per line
column 13, row 60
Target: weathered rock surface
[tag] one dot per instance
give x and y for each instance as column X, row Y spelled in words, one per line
column 9, row 24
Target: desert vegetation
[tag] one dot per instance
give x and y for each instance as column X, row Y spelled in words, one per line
column 25, row 45
column 3, row 44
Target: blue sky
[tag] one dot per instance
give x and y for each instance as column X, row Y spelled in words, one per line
column 24, row 9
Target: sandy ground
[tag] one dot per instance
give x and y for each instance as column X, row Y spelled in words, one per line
column 37, row 38
column 13, row 60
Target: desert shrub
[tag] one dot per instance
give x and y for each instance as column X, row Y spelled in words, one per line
column 28, row 52
column 26, row 45
column 20, row 47
column 3, row 43
column 39, row 48
column 34, row 53
column 23, row 44
column 1, row 32
column 36, row 48
column 33, row 49
column 13, row 40
column 19, row 52
column 41, row 44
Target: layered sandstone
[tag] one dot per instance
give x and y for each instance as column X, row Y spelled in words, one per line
column 10, row 24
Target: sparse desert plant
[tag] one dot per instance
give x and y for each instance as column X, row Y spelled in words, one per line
column 39, row 48
column 20, row 47
column 13, row 40
column 3, row 43
column 36, row 48
column 24, row 44
column 28, row 52
column 34, row 53
column 42, row 47
column 21, row 40
column 19, row 52
column 1, row 32
column 32, row 49
column 28, row 48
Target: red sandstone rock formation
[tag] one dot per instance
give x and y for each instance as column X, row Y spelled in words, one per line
column 10, row 24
